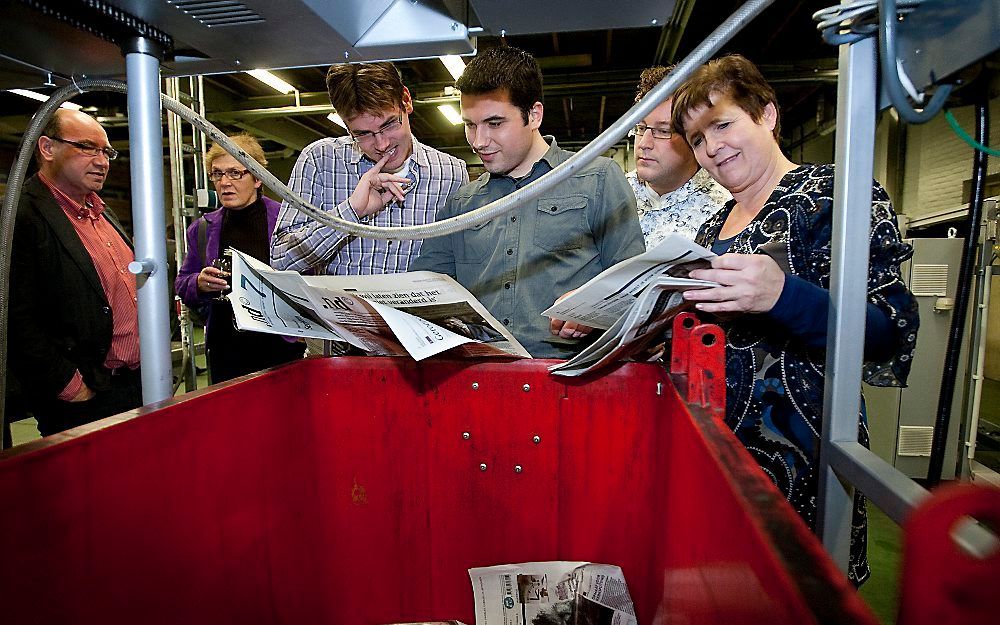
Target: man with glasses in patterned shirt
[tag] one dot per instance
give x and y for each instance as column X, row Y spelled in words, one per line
column 672, row 193
column 379, row 175
column 74, row 329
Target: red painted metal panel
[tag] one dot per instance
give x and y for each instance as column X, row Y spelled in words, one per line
column 344, row 491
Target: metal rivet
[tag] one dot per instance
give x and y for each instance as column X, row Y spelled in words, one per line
column 536, row 439
column 475, row 386
column 482, row 467
column 517, row 468
column 526, row 387
column 466, row 435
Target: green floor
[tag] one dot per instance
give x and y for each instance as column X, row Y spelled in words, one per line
column 884, row 555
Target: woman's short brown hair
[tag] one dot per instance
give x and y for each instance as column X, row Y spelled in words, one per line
column 733, row 76
column 246, row 142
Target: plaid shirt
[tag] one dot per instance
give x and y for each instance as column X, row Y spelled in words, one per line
column 325, row 175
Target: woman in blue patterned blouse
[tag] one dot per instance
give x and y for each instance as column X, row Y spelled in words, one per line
column 773, row 241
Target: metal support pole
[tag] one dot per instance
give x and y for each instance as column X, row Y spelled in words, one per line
column 856, row 100
column 142, row 65
column 175, row 142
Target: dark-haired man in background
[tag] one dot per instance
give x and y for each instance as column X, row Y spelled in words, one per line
column 674, row 195
column 518, row 264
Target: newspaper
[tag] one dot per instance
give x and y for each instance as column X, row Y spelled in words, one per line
column 419, row 313
column 633, row 301
column 608, row 296
column 641, row 327
column 549, row 593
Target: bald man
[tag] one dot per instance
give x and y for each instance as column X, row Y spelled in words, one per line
column 74, row 332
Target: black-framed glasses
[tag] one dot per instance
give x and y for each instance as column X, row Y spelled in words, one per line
column 89, row 148
column 390, row 126
column 232, row 174
column 658, row 133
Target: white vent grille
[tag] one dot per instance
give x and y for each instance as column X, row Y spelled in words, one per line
column 915, row 440
column 216, row 13
column 931, row 280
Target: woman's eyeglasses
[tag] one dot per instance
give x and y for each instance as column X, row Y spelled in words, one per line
column 390, row 126
column 89, row 148
column 232, row 174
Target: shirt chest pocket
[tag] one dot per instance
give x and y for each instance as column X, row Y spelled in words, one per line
column 478, row 242
column 561, row 223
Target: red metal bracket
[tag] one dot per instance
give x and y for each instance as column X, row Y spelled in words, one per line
column 698, row 354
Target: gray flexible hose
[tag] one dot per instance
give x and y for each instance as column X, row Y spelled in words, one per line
column 701, row 54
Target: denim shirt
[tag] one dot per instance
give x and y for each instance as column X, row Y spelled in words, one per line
column 519, row 263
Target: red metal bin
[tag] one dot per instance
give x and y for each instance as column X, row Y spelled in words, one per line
column 360, row 490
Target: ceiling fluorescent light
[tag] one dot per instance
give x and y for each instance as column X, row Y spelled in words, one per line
column 41, row 97
column 337, row 119
column 455, row 65
column 271, row 80
column 448, row 110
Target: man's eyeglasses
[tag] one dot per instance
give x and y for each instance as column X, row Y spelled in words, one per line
column 658, row 133
column 89, row 148
column 390, row 126
column 232, row 174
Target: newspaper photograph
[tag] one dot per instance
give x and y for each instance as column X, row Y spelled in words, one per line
column 608, row 296
column 641, row 327
column 551, row 593
column 418, row 313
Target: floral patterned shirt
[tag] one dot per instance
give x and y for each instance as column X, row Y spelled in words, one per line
column 681, row 211
column 775, row 378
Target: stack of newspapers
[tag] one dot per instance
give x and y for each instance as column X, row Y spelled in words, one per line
column 422, row 313
column 633, row 302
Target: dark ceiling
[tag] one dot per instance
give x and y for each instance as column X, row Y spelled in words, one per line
column 590, row 79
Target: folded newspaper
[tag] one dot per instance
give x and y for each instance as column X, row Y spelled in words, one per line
column 551, row 593
column 633, row 301
column 419, row 313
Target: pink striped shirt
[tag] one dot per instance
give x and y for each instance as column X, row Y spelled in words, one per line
column 111, row 256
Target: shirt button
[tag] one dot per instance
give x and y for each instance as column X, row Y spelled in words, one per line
column 510, row 252
column 506, row 322
column 513, row 218
column 553, row 209
column 506, row 285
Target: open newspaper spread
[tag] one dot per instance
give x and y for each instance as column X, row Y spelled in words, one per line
column 634, row 301
column 544, row 593
column 419, row 313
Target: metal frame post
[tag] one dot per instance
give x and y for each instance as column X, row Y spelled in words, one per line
column 142, row 66
column 856, row 101
column 175, row 142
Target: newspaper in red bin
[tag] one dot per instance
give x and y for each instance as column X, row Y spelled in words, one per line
column 551, row 593
column 608, row 296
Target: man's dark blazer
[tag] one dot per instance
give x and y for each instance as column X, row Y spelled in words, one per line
column 60, row 319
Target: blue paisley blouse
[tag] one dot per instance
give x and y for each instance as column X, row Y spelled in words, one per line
column 774, row 380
